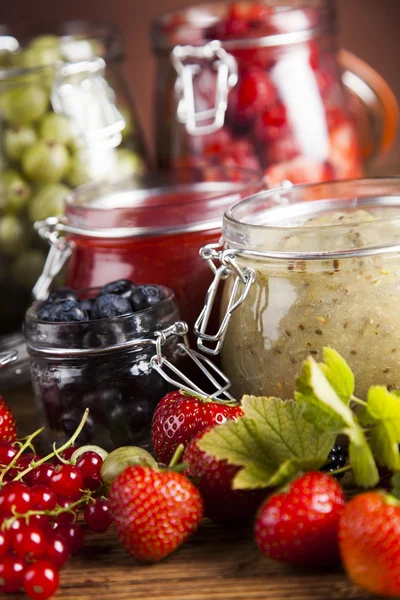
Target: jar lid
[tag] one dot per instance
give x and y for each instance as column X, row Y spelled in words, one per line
column 325, row 220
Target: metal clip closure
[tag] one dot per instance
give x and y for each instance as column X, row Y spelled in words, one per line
column 164, row 367
column 7, row 358
column 243, row 281
column 226, row 78
column 60, row 251
column 82, row 94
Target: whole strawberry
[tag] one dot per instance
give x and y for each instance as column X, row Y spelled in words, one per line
column 8, row 427
column 369, row 538
column 300, row 526
column 179, row 417
column 154, row 512
column 214, row 479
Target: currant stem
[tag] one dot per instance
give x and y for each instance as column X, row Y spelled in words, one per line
column 23, row 447
column 358, row 401
column 341, row 470
column 70, row 442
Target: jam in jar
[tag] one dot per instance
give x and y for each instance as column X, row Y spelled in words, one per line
column 149, row 231
column 258, row 84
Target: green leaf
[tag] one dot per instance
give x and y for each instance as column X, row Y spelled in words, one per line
column 272, row 443
column 328, row 412
column 338, row 373
column 395, row 481
column 384, row 408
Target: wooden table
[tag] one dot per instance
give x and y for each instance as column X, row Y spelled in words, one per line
column 216, row 564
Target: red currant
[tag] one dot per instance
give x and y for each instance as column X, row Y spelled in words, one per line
column 42, row 474
column 97, row 515
column 30, row 542
column 43, row 497
column 72, row 533
column 89, row 463
column 57, row 550
column 92, row 483
column 65, row 517
column 5, row 540
column 7, row 453
column 41, row 580
column 67, row 481
column 24, row 462
column 41, row 521
column 15, row 497
column 66, row 455
column 11, row 573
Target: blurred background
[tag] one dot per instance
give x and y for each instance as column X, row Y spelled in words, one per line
column 369, row 28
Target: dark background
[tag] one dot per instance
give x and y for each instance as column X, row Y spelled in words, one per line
column 369, row 28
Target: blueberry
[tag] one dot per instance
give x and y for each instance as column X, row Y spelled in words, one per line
column 101, row 402
column 119, row 426
column 69, row 424
column 111, row 305
column 121, row 287
column 44, row 312
column 63, row 293
column 87, row 305
column 67, row 310
column 141, row 414
column 145, row 296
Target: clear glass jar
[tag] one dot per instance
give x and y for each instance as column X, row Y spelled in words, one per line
column 66, row 118
column 149, row 231
column 259, row 84
column 321, row 267
column 104, row 365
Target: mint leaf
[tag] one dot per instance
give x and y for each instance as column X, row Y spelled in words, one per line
column 384, row 408
column 338, row 373
column 272, row 443
column 325, row 409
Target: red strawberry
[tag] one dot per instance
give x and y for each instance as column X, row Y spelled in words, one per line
column 178, row 417
column 300, row 526
column 369, row 538
column 252, row 96
column 154, row 512
column 214, row 478
column 8, row 427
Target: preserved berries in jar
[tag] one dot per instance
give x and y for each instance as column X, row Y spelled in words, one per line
column 66, row 119
column 151, row 230
column 104, row 365
column 325, row 259
column 255, row 84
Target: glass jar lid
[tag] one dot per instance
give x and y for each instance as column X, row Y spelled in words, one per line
column 335, row 219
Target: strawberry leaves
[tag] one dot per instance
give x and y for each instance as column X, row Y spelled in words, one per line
column 272, row 442
column 383, row 410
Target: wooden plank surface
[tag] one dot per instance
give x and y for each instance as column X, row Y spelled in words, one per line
column 216, row 564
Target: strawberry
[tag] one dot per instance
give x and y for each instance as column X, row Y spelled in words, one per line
column 298, row 170
column 8, row 427
column 178, row 417
column 154, row 512
column 369, row 538
column 214, row 479
column 300, row 526
column 253, row 94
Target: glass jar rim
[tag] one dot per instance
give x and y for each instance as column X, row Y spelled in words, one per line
column 203, row 15
column 81, row 30
column 263, row 223
column 152, row 205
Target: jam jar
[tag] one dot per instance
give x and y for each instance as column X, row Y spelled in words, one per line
column 66, row 119
column 104, row 365
column 147, row 231
column 259, row 84
column 306, row 267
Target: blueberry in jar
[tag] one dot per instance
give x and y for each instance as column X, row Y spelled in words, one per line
column 88, row 306
column 44, row 312
column 111, row 305
column 67, row 310
column 121, row 287
column 140, row 414
column 145, row 296
column 63, row 293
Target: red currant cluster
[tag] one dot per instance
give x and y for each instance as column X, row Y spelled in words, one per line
column 40, row 503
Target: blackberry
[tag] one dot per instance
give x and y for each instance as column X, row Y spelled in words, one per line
column 337, row 459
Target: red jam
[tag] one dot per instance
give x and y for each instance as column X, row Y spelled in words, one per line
column 162, row 231
column 287, row 114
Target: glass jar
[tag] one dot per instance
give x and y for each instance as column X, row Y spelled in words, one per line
column 258, row 84
column 308, row 267
column 66, row 118
column 104, row 365
column 149, row 231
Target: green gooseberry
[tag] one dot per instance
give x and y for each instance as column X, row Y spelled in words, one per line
column 128, row 164
column 129, row 129
column 57, row 128
column 12, row 235
column 121, row 458
column 45, row 162
column 17, row 139
column 28, row 267
column 79, row 171
column 49, row 201
column 36, row 56
column 16, row 191
column 45, row 41
column 23, row 104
